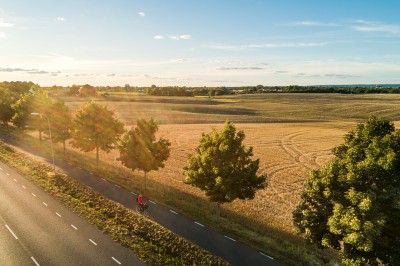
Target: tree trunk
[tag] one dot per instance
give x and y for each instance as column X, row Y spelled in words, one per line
column 97, row 157
column 218, row 211
column 145, row 181
column 64, row 147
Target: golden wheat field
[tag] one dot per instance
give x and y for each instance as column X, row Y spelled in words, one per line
column 291, row 135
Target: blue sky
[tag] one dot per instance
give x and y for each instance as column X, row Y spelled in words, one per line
column 200, row 42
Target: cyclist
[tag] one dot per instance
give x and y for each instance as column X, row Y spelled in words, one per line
column 142, row 202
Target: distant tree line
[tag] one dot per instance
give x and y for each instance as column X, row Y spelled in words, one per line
column 88, row 90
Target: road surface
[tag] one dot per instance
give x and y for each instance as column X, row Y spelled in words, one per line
column 36, row 229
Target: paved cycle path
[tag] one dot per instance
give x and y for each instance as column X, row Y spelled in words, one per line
column 221, row 245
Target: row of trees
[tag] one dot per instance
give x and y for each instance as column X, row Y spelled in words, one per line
column 221, row 166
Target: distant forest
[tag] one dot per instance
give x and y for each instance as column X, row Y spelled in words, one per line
column 87, row 90
column 217, row 91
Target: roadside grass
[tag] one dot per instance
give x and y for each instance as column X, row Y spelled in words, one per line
column 151, row 242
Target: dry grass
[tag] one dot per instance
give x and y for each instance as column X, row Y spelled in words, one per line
column 287, row 151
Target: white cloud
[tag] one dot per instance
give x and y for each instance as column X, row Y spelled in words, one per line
column 186, row 37
column 141, row 13
column 3, row 35
column 265, row 46
column 158, row 37
column 62, row 19
column 377, row 27
column 4, row 24
column 181, row 37
column 315, row 24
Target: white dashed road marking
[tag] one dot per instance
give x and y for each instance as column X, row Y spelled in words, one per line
column 94, row 243
column 199, row 224
column 269, row 257
column 152, row 202
column 59, row 215
column 37, row 264
column 24, row 187
column 7, row 174
column 11, row 231
column 117, row 186
column 44, row 203
column 116, row 260
column 73, row 226
column 33, row 194
column 15, row 180
column 173, row 212
column 230, row 238
column 133, row 193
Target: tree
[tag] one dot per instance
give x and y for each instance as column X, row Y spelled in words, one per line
column 353, row 203
column 140, row 150
column 96, row 128
column 61, row 122
column 222, row 167
column 36, row 101
column 7, row 99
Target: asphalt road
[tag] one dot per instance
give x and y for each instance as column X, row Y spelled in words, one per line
column 221, row 245
column 36, row 229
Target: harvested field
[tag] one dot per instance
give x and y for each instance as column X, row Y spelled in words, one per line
column 292, row 134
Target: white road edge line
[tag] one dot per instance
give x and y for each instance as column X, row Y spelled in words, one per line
column 153, row 202
column 116, row 260
column 94, row 243
column 73, row 226
column 44, row 203
column 33, row 194
column 59, row 215
column 11, row 231
column 37, row 264
column 199, row 224
column 173, row 212
column 230, row 238
column 269, row 257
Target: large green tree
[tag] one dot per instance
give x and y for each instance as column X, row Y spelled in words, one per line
column 223, row 168
column 96, row 128
column 140, row 150
column 353, row 203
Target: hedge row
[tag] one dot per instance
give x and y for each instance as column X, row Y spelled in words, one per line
column 153, row 243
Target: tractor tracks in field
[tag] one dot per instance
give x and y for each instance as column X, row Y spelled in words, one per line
column 288, row 190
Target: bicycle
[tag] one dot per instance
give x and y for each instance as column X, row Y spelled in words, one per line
column 143, row 209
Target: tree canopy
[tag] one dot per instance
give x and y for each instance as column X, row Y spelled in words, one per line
column 353, row 203
column 140, row 150
column 96, row 128
column 222, row 166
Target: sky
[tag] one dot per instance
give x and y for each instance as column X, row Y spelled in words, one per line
column 200, row 42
